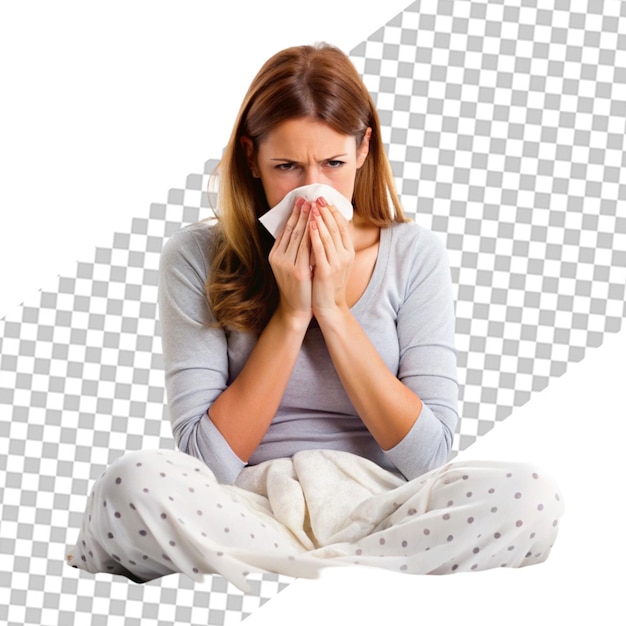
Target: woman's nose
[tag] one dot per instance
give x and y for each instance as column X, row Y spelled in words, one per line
column 311, row 176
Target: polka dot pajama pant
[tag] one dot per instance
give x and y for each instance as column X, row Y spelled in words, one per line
column 158, row 512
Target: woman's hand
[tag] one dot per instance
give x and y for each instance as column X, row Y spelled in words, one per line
column 332, row 258
column 290, row 259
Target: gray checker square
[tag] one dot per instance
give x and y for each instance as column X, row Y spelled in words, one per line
column 505, row 125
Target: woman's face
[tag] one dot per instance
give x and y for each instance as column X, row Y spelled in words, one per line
column 304, row 151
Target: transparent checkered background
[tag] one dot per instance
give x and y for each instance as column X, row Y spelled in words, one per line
column 505, row 126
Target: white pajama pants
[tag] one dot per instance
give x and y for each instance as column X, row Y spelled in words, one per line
column 158, row 512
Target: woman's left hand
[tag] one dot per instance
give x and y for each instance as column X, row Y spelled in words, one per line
column 332, row 256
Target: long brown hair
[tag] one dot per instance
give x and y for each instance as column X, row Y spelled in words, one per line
column 307, row 81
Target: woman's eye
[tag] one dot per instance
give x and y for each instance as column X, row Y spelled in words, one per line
column 285, row 167
column 334, row 163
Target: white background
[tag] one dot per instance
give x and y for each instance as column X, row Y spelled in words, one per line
column 105, row 106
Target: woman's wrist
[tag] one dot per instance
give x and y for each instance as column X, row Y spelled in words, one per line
column 333, row 318
column 292, row 320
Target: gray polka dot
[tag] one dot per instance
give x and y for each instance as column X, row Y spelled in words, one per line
column 118, row 514
column 199, row 512
column 172, row 543
column 474, row 567
column 476, row 550
column 132, row 506
column 468, row 494
column 143, row 533
column 110, row 535
column 497, row 535
column 540, row 507
column 446, row 516
column 426, row 531
column 470, row 520
column 359, row 552
column 404, row 544
column 465, row 476
column 509, row 475
column 555, row 522
column 226, row 530
column 492, row 490
column 381, row 541
column 535, row 475
column 518, row 495
column 162, row 475
column 196, row 570
column 412, row 511
column 450, row 502
column 494, row 509
column 118, row 481
column 139, row 464
column 519, row 523
column 146, row 490
column 450, row 538
column 404, row 568
column 455, row 567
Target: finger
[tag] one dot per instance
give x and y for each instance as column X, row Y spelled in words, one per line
column 291, row 225
column 327, row 230
column 299, row 234
column 336, row 224
column 318, row 247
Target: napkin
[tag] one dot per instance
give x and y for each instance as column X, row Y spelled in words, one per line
column 278, row 215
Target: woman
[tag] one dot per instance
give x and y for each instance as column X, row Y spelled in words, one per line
column 311, row 379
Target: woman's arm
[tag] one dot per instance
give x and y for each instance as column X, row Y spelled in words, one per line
column 412, row 416
column 387, row 407
column 244, row 410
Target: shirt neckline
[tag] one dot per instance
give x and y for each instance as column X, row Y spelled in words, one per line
column 384, row 246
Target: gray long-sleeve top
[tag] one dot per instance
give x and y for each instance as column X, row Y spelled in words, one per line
column 407, row 311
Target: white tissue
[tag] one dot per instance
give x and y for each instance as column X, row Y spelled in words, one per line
column 277, row 216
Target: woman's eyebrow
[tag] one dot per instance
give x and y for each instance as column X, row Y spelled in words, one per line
column 331, row 158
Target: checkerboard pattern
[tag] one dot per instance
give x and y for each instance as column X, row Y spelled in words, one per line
column 505, row 124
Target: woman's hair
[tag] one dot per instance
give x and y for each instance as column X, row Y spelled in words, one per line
column 318, row 82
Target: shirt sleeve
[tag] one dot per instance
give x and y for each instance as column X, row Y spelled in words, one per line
column 195, row 352
column 426, row 327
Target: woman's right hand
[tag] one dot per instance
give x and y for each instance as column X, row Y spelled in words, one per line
column 290, row 259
